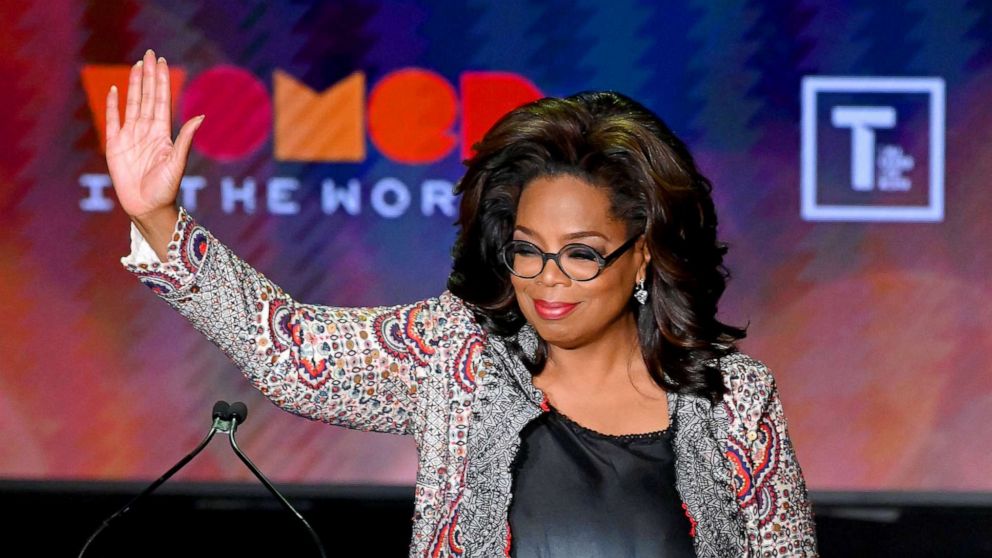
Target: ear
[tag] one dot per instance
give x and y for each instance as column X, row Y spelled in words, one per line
column 642, row 246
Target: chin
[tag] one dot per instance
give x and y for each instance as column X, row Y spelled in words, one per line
column 555, row 333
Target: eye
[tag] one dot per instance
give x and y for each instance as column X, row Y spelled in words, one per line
column 582, row 252
column 521, row 248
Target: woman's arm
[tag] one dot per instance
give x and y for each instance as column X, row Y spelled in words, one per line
column 771, row 489
column 353, row 367
column 357, row 367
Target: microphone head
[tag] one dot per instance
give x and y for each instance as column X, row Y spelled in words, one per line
column 222, row 410
column 239, row 411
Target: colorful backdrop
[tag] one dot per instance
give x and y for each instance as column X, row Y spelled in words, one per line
column 849, row 145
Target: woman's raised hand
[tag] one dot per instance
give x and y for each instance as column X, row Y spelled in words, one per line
column 145, row 166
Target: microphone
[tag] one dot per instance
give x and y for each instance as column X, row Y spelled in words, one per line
column 238, row 411
column 222, row 410
column 226, row 418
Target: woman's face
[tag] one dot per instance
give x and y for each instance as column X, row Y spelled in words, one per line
column 557, row 210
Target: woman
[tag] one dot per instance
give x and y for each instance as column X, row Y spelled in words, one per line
column 571, row 393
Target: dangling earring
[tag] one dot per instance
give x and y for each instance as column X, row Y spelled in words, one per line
column 640, row 293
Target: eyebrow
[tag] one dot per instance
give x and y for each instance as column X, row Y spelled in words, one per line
column 569, row 236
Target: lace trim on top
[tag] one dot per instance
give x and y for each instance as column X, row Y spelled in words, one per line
column 636, row 436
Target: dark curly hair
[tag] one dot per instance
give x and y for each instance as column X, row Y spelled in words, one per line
column 611, row 141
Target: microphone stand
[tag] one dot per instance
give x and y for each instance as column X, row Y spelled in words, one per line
column 237, row 417
column 226, row 418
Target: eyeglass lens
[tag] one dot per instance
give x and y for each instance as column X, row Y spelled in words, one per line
column 578, row 261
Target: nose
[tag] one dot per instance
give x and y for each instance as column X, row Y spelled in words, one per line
column 552, row 274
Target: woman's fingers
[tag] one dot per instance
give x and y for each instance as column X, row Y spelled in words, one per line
column 133, row 94
column 147, row 86
column 113, row 116
column 162, row 114
column 185, row 139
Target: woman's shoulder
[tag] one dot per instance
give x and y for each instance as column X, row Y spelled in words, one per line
column 750, row 383
column 739, row 366
column 450, row 302
column 452, row 314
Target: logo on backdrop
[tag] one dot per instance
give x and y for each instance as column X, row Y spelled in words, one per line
column 410, row 116
column 872, row 149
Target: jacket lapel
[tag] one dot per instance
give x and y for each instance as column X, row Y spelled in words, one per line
column 703, row 475
column 505, row 402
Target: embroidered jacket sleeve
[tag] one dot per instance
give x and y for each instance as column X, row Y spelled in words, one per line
column 361, row 368
column 771, row 489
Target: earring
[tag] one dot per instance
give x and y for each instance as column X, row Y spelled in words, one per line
column 640, row 293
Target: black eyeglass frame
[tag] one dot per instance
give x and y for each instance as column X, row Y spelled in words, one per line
column 603, row 261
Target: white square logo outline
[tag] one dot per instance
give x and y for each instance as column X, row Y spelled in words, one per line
column 934, row 210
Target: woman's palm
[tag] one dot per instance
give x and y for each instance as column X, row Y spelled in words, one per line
column 145, row 165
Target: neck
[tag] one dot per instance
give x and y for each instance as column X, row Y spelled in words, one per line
column 612, row 356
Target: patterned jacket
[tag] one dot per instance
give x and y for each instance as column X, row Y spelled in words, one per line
column 429, row 370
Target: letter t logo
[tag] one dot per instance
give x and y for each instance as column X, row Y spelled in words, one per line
column 862, row 121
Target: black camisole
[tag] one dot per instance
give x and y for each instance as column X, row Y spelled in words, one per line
column 578, row 492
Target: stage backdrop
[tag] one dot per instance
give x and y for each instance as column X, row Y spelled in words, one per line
column 849, row 144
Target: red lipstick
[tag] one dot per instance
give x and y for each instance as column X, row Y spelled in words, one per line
column 553, row 310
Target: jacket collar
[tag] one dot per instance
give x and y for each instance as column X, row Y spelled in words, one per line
column 527, row 339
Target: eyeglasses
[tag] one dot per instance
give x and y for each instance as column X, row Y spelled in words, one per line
column 578, row 261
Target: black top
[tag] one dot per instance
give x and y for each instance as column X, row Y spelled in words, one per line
column 578, row 492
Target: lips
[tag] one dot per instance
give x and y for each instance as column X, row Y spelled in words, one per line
column 553, row 310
